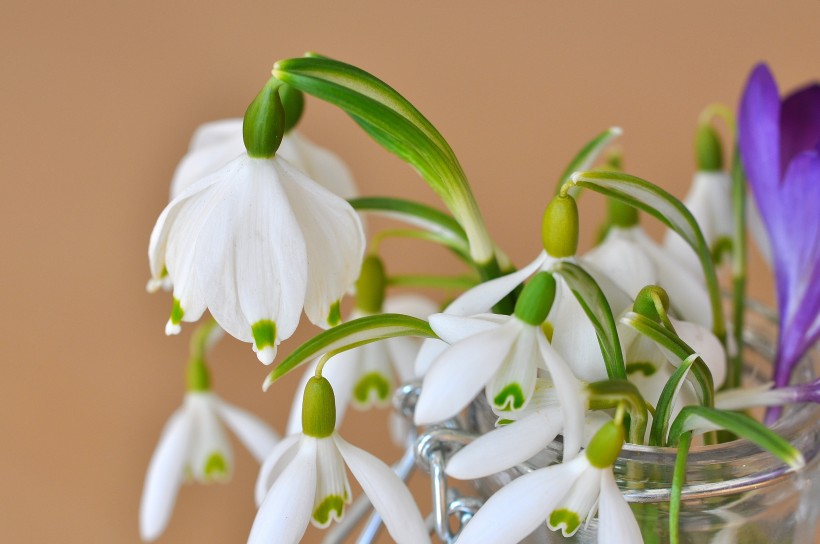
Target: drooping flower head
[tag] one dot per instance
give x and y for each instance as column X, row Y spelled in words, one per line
column 780, row 148
column 257, row 241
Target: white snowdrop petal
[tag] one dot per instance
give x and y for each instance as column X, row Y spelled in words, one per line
column 429, row 351
column 285, row 513
column 573, row 403
column 505, row 446
column 214, row 133
column 387, row 493
column 164, row 475
column 410, row 304
column 212, row 146
column 276, row 461
column 402, row 351
column 254, row 433
column 375, row 379
column 332, row 488
column 461, row 372
column 511, row 387
column 574, row 336
column 483, row 296
column 520, row 507
column 616, row 522
column 453, row 328
column 623, row 261
column 334, row 240
column 706, row 345
column 319, row 164
column 211, row 456
column 574, row 508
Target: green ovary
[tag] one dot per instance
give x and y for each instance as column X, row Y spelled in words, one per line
column 503, row 401
column 331, row 503
column 373, row 381
column 216, row 467
column 568, row 519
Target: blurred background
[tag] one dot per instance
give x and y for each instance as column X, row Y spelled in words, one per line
column 99, row 100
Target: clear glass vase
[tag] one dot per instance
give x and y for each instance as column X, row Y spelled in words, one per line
column 734, row 492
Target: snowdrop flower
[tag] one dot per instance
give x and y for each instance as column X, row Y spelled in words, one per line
column 518, row 437
column 193, row 445
column 501, row 354
column 303, row 480
column 564, row 495
column 257, row 241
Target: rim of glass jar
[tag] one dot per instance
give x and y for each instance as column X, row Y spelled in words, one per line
column 792, row 427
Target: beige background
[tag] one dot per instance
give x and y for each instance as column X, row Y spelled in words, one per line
column 99, row 100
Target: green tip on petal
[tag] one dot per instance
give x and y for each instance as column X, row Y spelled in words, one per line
column 372, row 385
column 510, row 398
column 331, row 503
column 566, row 520
column 177, row 313
column 371, row 285
column 708, row 149
column 334, row 315
column 293, row 102
column 536, row 299
column 549, row 330
column 645, row 303
column 559, row 229
column 216, row 467
column 264, row 340
column 318, row 408
column 264, row 123
column 605, row 446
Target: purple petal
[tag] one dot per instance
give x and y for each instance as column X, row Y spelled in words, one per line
column 807, row 392
column 759, row 139
column 796, row 240
column 799, row 123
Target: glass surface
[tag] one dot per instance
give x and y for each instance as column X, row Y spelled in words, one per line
column 734, row 492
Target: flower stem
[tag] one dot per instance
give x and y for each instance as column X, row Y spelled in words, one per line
column 678, row 479
column 739, row 266
column 441, row 282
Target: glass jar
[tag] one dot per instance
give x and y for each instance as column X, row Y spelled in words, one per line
column 734, row 492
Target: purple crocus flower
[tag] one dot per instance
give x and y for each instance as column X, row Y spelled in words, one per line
column 780, row 148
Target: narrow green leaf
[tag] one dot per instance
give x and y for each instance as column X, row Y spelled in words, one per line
column 594, row 303
column 678, row 479
column 588, row 154
column 671, row 212
column 351, row 334
column 663, row 410
column 667, row 339
column 698, row 417
column 739, row 265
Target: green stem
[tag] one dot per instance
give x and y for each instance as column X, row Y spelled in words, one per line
column 739, row 266
column 678, row 479
column 440, row 282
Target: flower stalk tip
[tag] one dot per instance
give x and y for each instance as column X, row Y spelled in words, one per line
column 264, row 123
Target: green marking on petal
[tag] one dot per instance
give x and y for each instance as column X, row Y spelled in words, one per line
column 502, row 422
column 502, row 401
column 331, row 503
column 334, row 316
column 264, row 333
column 647, row 369
column 566, row 518
column 176, row 312
column 549, row 330
column 373, row 381
column 216, row 467
column 164, row 273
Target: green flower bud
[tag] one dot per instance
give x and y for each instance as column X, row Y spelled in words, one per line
column 536, row 299
column 294, row 103
column 645, row 304
column 318, row 408
column 264, row 123
column 605, row 446
column 559, row 230
column 371, row 285
column 708, row 149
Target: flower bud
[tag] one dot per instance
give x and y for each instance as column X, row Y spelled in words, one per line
column 370, row 285
column 708, row 149
column 605, row 446
column 264, row 123
column 559, row 229
column 318, row 408
column 536, row 299
column 645, row 304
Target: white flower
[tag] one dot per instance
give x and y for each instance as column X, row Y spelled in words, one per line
column 255, row 243
column 303, row 481
column 710, row 201
column 518, row 437
column 564, row 495
column 193, row 445
column 503, row 354
column 633, row 260
column 367, row 375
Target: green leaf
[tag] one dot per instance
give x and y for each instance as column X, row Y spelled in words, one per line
column 678, row 479
column 588, row 154
column 699, row 417
column 670, row 211
column 399, row 127
column 594, row 303
column 670, row 341
column 349, row 335
column 663, row 411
